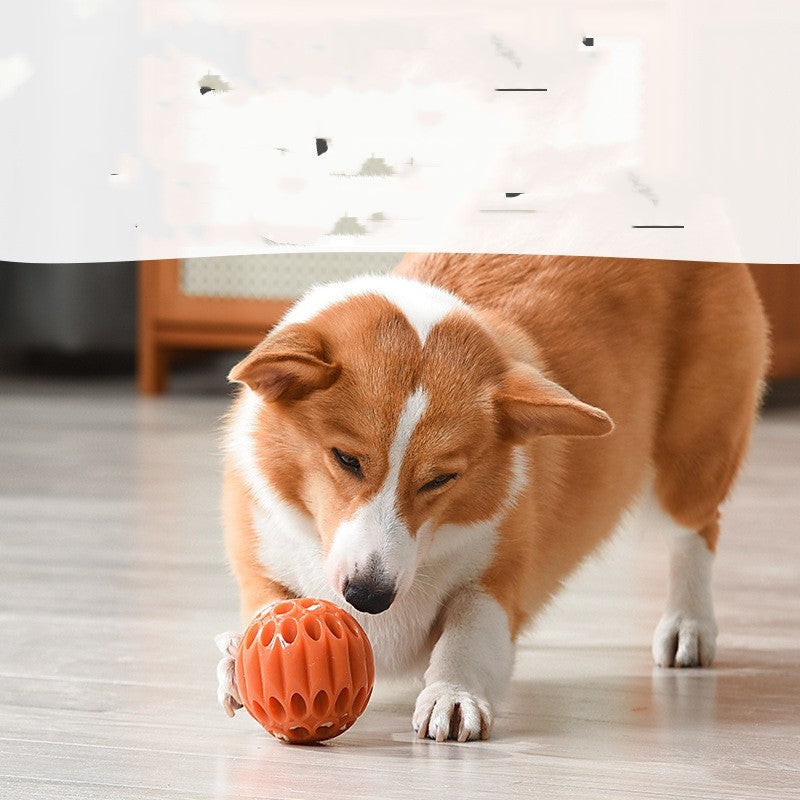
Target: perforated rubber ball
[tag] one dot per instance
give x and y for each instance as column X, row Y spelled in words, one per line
column 305, row 670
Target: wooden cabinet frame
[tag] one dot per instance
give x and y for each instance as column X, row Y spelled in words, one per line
column 169, row 320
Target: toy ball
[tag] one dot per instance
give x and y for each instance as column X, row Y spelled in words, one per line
column 305, row 670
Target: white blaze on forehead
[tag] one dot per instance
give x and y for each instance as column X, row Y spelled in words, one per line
column 412, row 412
column 423, row 305
column 376, row 527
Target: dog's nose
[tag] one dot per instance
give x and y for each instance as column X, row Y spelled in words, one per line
column 369, row 595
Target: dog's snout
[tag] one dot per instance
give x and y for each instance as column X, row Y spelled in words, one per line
column 371, row 595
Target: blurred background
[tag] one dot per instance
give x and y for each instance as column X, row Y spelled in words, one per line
column 177, row 325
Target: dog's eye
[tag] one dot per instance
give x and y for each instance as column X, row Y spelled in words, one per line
column 348, row 462
column 439, row 480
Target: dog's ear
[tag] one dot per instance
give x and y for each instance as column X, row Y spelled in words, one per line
column 529, row 404
column 287, row 365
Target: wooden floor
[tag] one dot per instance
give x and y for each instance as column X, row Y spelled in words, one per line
column 112, row 585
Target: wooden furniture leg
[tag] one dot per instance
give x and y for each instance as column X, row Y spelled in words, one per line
column 152, row 357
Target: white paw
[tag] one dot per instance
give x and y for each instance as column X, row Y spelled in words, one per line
column 684, row 640
column 227, row 691
column 449, row 711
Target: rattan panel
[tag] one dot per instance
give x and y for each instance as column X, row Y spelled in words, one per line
column 278, row 276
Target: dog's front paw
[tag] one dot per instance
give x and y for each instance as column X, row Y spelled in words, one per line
column 683, row 640
column 449, row 711
column 227, row 691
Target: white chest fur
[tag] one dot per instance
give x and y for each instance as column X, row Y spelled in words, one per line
column 290, row 551
column 400, row 635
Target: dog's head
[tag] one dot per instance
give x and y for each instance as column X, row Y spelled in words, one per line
column 388, row 408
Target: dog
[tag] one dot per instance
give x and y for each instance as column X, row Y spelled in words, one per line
column 438, row 448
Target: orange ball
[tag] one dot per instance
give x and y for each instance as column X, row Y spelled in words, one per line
column 305, row 670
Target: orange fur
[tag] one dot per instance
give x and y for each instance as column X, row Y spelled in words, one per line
column 673, row 353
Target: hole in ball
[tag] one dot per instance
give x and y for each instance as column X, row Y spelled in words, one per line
column 259, row 713
column 298, row 705
column 343, row 701
column 312, row 627
column 334, row 626
column 299, row 733
column 251, row 634
column 288, row 630
column 267, row 633
column 321, row 703
column 360, row 701
column 276, row 709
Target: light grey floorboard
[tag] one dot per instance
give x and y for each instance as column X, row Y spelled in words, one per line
column 112, row 585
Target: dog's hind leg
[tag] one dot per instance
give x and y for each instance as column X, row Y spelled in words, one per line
column 686, row 635
column 712, row 395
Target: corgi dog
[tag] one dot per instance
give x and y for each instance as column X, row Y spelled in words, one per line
column 438, row 448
